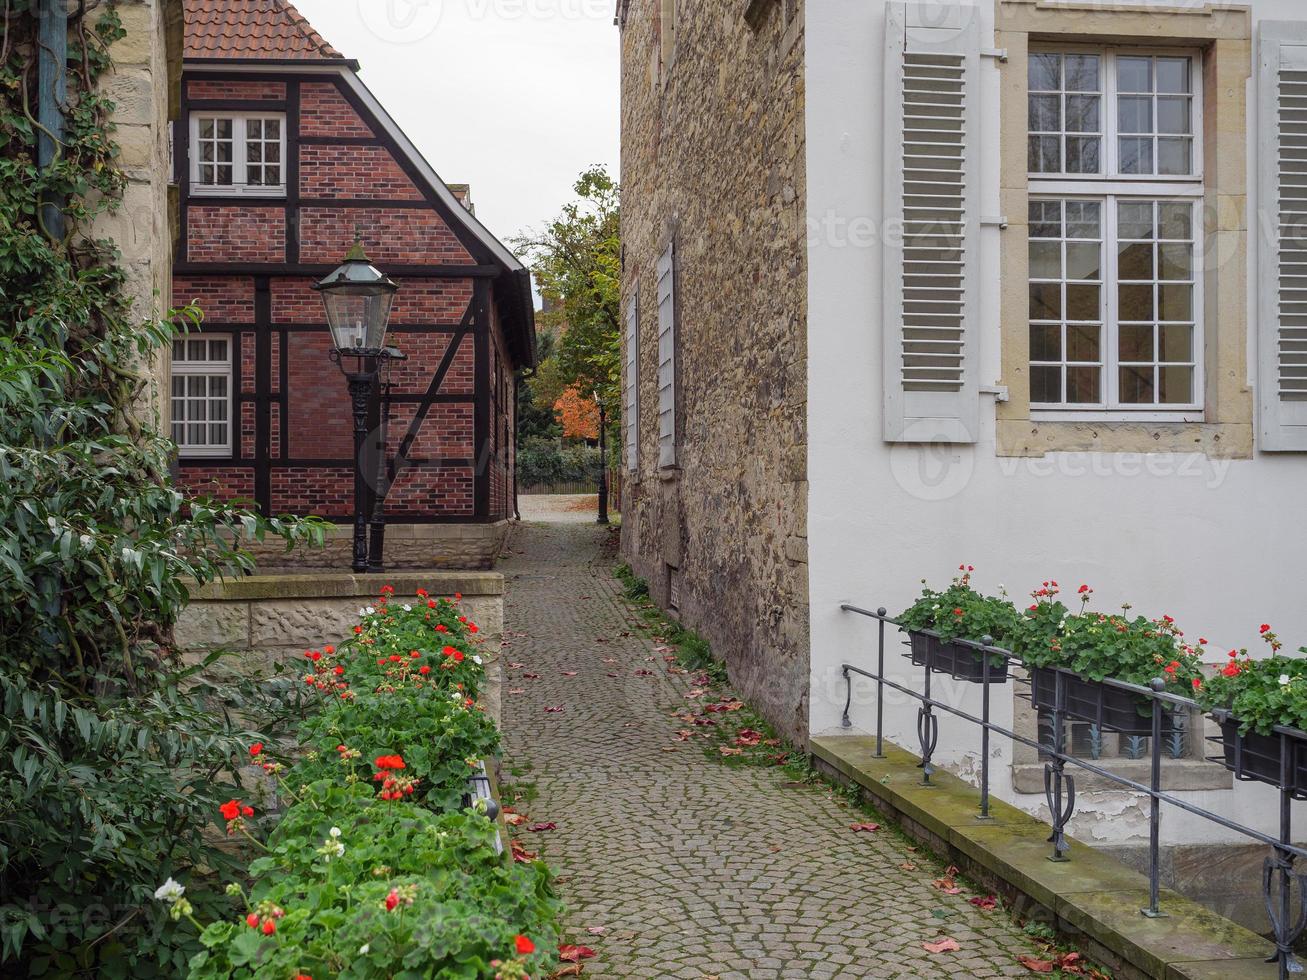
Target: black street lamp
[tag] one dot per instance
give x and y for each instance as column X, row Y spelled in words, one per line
column 358, row 297
column 603, row 463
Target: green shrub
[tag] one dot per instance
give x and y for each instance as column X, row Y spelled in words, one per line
column 376, row 870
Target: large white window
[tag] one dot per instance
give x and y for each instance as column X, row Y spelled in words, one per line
column 1115, row 233
column 238, row 154
column 201, row 395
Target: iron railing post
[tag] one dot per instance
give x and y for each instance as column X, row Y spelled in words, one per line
column 1155, row 809
column 1056, row 779
column 927, row 731
column 880, row 684
column 988, row 641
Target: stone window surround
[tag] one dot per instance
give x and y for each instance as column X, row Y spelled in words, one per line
column 1223, row 33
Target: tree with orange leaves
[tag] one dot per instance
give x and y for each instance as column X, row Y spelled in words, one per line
column 577, row 414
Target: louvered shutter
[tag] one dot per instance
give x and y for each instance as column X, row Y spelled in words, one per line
column 667, row 357
column 1282, row 310
column 932, row 112
column 631, row 390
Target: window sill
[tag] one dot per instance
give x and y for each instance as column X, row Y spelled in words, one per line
column 669, row 474
column 1105, row 415
column 1178, row 775
column 217, row 456
column 205, row 190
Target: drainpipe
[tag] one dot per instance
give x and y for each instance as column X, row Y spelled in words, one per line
column 51, row 97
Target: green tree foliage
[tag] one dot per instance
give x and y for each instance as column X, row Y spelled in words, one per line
column 576, row 258
column 113, row 754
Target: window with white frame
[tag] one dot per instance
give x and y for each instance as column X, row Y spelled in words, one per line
column 1114, row 231
column 201, row 395
column 234, row 153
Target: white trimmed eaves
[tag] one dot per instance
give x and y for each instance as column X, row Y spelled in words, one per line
column 364, row 95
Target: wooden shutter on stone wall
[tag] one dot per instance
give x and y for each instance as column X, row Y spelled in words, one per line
column 1282, row 234
column 631, row 389
column 932, row 196
column 667, row 357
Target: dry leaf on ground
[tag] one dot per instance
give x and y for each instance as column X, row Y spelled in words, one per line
column 942, row 946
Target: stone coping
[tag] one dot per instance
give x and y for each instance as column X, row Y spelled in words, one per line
column 1093, row 895
column 332, row 585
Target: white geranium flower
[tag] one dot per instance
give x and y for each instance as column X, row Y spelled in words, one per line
column 407, row 607
column 86, row 541
column 170, row 891
column 1284, row 679
column 363, row 950
column 335, row 831
column 476, row 659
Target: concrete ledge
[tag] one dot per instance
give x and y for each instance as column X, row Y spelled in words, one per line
column 330, row 585
column 1093, row 898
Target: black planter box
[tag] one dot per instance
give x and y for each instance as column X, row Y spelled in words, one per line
column 1109, row 708
column 959, row 662
column 1254, row 756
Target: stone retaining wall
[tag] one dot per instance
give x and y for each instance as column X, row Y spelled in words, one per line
column 408, row 547
column 268, row 619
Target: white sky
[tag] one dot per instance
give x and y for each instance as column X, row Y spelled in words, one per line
column 515, row 97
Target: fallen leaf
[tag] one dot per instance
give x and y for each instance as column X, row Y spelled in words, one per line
column 516, row 666
column 728, row 705
column 948, row 886
column 571, row 970
column 520, row 854
column 568, row 673
column 669, row 748
column 727, row 750
column 772, row 742
column 630, row 724
column 747, row 736
column 551, row 711
column 514, row 819
column 908, row 866
column 683, row 735
column 570, row 953
column 612, row 675
column 774, row 848
column 704, row 722
column 517, row 690
column 1034, row 964
column 942, row 946
column 610, row 660
column 696, row 692
column 536, row 828
column 530, row 677
column 864, row 827
column 644, row 673
column 596, row 930
column 986, row 902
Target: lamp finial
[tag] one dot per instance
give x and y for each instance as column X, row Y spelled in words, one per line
column 356, row 253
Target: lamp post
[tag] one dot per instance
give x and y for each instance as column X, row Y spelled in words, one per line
column 357, row 297
column 603, row 463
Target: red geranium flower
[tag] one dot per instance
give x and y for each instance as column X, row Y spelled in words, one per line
column 389, row 762
column 424, row 669
column 392, row 900
column 256, row 748
column 231, row 809
column 524, row 946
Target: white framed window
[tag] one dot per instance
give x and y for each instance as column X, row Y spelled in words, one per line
column 1115, row 234
column 236, row 153
column 201, row 395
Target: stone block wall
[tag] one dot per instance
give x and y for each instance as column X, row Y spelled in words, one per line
column 713, row 159
column 408, row 546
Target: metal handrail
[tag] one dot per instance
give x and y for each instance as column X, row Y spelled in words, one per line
column 1059, row 786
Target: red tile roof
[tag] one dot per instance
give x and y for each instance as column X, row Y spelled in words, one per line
column 257, row 30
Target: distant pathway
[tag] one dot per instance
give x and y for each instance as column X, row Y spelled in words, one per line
column 690, row 868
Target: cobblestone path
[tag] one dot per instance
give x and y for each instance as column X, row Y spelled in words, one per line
column 692, row 868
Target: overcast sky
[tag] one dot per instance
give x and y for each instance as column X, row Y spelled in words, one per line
column 515, row 97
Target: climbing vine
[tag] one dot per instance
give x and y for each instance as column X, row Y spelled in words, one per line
column 114, row 753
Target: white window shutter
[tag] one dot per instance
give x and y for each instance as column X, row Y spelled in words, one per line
column 932, row 196
column 667, row 357
column 631, row 391
column 1282, row 180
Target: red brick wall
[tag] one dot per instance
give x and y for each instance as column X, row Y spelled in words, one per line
column 208, row 88
column 433, row 490
column 224, row 482
column 409, row 236
column 319, row 422
column 431, row 300
column 324, row 112
column 424, row 352
column 327, row 492
column 353, row 171
column 229, row 299
column 217, row 233
column 445, row 432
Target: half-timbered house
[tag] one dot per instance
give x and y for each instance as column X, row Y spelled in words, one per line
column 282, row 156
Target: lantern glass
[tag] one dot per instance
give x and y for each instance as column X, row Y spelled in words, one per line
column 358, row 314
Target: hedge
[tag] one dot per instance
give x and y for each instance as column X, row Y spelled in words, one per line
column 379, row 867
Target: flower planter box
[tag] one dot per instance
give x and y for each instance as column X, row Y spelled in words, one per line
column 1107, row 707
column 1257, row 757
column 959, row 662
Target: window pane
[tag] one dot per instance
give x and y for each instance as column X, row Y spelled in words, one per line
column 1045, row 260
column 195, row 435
column 254, row 176
column 272, row 152
column 206, row 129
column 1081, row 113
column 1045, row 301
column 223, row 175
column 1176, row 220
column 1082, row 260
column 1136, row 155
column 1083, row 219
column 195, row 350
column 1176, row 385
column 272, row 176
column 1045, row 113
column 1044, row 155
column 1134, row 261
column 1176, row 261
column 1082, row 344
column 1082, row 385
column 1082, row 154
column 217, row 350
column 1082, row 302
column 1045, row 219
column 254, row 153
column 197, row 410
column 1134, row 74
column 178, row 432
column 217, row 435
column 1135, row 342
column 178, row 387
column 1173, row 114
column 1134, row 114
column 1173, row 75
column 1173, row 155
column 224, row 129
column 1176, row 342
column 217, row 386
column 1046, row 384
column 1175, row 302
column 1044, row 72
column 1082, row 73
column 178, row 350
column 218, row 410
column 224, row 152
column 1045, row 343
column 1134, row 303
column 254, row 129
column 1136, row 384
column 1134, row 219
column 273, row 129
column 206, row 152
